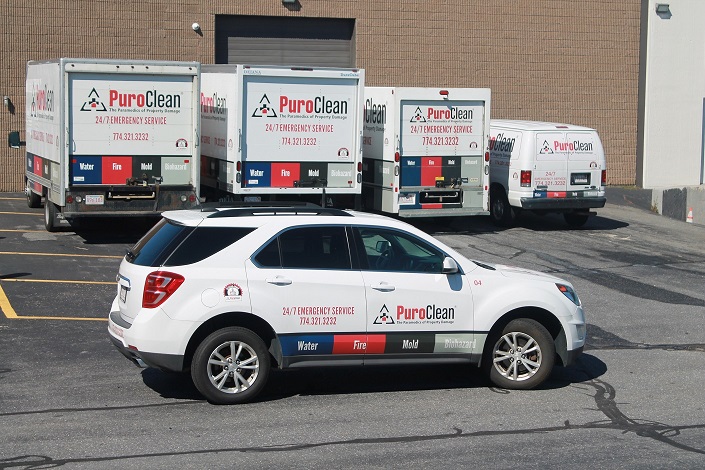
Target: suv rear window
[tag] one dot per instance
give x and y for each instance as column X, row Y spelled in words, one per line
column 171, row 244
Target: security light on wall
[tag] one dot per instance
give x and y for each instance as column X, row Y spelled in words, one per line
column 663, row 8
column 6, row 101
column 289, row 2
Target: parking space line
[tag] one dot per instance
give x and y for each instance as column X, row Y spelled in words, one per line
column 58, row 281
column 12, row 199
column 38, row 214
column 70, row 255
column 22, row 231
column 10, row 313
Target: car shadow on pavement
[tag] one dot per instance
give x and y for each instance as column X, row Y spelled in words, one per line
column 113, row 231
column 372, row 379
column 529, row 221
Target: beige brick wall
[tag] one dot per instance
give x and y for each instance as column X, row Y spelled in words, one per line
column 554, row 60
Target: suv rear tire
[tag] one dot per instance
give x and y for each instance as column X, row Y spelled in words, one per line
column 231, row 366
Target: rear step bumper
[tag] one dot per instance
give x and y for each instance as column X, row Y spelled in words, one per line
column 563, row 203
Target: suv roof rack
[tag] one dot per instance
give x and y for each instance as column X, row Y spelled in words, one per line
column 311, row 209
column 214, row 206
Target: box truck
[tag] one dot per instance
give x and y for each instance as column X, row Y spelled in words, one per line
column 111, row 137
column 545, row 167
column 425, row 151
column 275, row 133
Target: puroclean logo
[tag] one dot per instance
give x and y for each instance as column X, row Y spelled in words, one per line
column 42, row 100
column 264, row 109
column 546, row 148
column 93, row 103
column 384, row 318
column 418, row 116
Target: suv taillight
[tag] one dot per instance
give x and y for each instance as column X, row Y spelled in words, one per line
column 158, row 287
column 525, row 178
column 604, row 177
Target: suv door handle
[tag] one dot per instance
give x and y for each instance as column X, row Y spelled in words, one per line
column 279, row 281
column 383, row 287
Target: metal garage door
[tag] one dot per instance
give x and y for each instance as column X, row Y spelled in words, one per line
column 259, row 40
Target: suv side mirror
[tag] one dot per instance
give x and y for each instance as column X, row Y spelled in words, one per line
column 449, row 266
column 382, row 246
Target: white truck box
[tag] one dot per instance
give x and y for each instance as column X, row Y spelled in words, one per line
column 111, row 137
column 281, row 133
column 545, row 167
column 425, row 151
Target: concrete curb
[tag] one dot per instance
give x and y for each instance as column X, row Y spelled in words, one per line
column 686, row 204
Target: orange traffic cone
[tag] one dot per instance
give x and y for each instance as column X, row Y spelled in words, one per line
column 689, row 218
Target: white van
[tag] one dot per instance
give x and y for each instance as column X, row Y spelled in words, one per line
column 545, row 167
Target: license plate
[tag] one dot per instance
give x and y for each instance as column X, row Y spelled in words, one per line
column 123, row 293
column 407, row 199
column 253, row 199
column 580, row 178
column 95, row 199
column 116, row 329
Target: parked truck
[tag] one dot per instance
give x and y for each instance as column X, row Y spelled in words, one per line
column 275, row 133
column 425, row 151
column 111, row 137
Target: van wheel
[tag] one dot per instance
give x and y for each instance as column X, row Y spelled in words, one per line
column 575, row 219
column 503, row 215
column 522, row 355
column 34, row 200
column 230, row 366
column 50, row 211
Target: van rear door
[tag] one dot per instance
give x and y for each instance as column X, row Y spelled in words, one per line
column 585, row 163
column 551, row 165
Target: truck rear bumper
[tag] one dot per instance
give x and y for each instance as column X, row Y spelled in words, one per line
column 126, row 201
column 531, row 203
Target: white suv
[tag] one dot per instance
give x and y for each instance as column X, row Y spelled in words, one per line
column 229, row 293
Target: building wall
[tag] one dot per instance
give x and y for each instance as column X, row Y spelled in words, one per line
column 554, row 60
column 672, row 130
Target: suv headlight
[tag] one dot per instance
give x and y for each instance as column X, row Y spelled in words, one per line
column 570, row 293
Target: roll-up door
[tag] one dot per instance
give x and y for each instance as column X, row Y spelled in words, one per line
column 272, row 40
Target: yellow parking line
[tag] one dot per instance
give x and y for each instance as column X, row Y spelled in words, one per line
column 11, row 314
column 5, row 305
column 71, row 255
column 38, row 214
column 12, row 198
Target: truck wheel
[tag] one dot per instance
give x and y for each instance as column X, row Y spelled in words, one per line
column 503, row 215
column 575, row 219
column 50, row 211
column 230, row 366
column 521, row 356
column 34, row 200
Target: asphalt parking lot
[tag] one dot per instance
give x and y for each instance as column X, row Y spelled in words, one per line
column 636, row 398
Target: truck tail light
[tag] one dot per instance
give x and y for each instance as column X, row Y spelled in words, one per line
column 487, row 156
column 397, row 157
column 359, row 167
column 604, row 177
column 159, row 286
column 525, row 178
